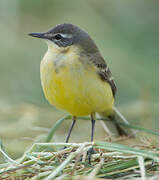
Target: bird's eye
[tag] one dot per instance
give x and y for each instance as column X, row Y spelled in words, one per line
column 58, row 36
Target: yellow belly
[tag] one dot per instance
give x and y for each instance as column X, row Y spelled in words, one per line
column 75, row 87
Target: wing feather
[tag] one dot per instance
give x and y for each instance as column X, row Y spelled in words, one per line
column 103, row 70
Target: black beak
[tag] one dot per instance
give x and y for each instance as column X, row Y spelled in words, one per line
column 38, row 35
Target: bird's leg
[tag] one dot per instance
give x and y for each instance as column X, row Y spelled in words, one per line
column 70, row 130
column 93, row 125
column 91, row 150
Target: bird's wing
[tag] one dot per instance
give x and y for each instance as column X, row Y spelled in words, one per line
column 103, row 70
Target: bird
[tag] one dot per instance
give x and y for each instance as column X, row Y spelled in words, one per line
column 76, row 78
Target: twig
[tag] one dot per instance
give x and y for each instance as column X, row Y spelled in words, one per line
column 142, row 167
column 62, row 166
column 97, row 168
column 62, row 144
column 61, row 177
column 13, row 169
column 41, row 175
column 46, row 145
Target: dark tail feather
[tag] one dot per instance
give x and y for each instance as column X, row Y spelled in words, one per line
column 120, row 130
column 113, row 126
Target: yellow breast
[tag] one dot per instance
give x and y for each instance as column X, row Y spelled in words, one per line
column 73, row 85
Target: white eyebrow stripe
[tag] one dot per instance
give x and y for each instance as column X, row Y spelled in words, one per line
column 65, row 35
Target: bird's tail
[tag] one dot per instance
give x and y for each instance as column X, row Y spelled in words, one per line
column 113, row 127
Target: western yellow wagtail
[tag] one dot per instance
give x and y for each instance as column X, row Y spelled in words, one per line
column 76, row 78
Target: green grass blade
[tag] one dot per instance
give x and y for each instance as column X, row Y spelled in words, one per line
column 126, row 149
column 54, row 128
column 119, row 166
column 139, row 128
column 6, row 155
column 127, row 125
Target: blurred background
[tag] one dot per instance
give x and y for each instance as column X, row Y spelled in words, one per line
column 126, row 32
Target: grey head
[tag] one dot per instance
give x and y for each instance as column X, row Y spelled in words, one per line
column 64, row 35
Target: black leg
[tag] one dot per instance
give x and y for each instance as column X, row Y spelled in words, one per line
column 93, row 125
column 70, row 130
column 91, row 151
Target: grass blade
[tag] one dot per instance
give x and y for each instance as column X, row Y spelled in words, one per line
column 142, row 167
column 54, row 128
column 126, row 149
column 62, row 166
column 140, row 128
column 127, row 125
column 6, row 155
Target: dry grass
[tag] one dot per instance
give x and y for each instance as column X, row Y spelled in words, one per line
column 111, row 160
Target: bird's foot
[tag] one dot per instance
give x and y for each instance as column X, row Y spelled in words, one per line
column 89, row 153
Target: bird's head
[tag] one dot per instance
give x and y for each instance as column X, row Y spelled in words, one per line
column 64, row 36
